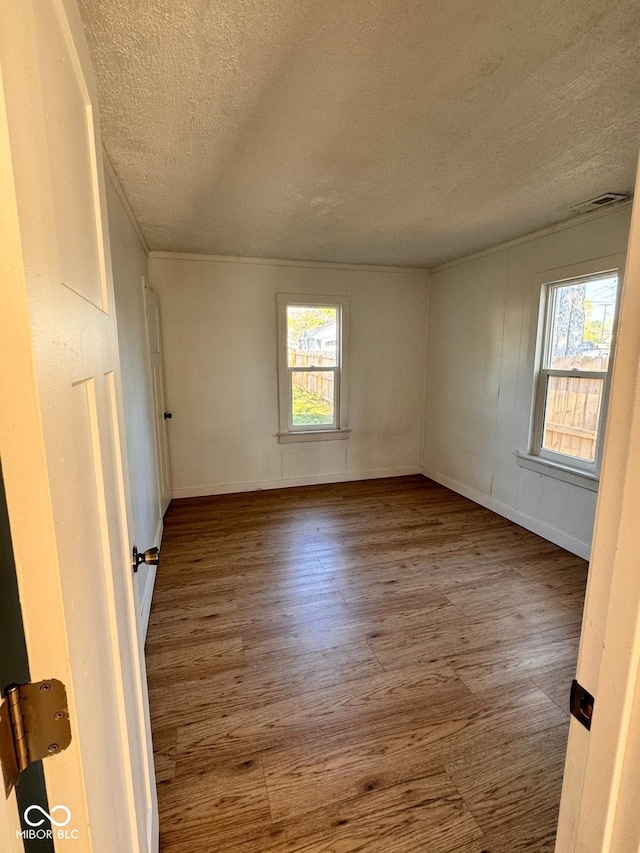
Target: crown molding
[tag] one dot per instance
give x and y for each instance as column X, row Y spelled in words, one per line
column 115, row 181
column 563, row 225
column 280, row 262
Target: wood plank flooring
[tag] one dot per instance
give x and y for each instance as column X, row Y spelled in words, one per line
column 369, row 667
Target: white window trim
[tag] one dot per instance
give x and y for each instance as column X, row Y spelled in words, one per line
column 566, row 473
column 339, row 430
column 562, row 466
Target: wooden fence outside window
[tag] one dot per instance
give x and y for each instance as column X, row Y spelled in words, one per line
column 319, row 384
column 573, row 407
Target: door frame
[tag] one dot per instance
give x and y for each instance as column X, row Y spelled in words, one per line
column 597, row 798
column 160, row 428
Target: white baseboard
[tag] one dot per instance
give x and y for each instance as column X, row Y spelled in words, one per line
column 147, row 595
column 569, row 543
column 321, row 479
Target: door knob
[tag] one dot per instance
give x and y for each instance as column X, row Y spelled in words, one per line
column 168, row 415
column 151, row 557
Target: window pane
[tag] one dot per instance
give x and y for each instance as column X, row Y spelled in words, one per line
column 312, row 336
column 312, row 397
column 571, row 415
column 582, row 324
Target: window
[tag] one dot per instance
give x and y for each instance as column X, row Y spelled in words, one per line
column 573, row 379
column 312, row 361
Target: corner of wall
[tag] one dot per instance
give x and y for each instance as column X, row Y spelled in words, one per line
column 425, row 371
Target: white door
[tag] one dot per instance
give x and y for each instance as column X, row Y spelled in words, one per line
column 61, row 431
column 599, row 810
column 154, row 339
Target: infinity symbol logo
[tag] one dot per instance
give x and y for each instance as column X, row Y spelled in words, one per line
column 47, row 816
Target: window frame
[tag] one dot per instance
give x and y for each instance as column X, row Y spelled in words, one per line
column 288, row 432
column 564, row 463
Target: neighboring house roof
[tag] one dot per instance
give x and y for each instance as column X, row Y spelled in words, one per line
column 322, row 333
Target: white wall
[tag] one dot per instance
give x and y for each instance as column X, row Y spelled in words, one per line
column 129, row 260
column 219, row 321
column 483, row 315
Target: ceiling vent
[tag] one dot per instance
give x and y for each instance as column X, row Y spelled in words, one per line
column 599, row 201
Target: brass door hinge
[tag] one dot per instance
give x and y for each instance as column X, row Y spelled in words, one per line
column 34, row 723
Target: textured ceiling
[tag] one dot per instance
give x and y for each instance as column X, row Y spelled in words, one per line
column 405, row 132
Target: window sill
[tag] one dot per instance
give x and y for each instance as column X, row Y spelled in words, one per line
column 314, row 435
column 583, row 479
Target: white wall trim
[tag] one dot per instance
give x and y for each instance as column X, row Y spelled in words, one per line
column 280, row 262
column 285, row 483
column 569, row 543
column 581, row 479
column 115, row 180
column 313, row 435
column 145, row 602
column 147, row 597
column 563, row 225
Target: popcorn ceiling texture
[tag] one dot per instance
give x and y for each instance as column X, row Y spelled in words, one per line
column 365, row 131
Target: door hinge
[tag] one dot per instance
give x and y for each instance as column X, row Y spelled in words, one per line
column 34, row 723
column 581, row 704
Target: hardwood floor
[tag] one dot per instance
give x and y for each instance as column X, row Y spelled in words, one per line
column 379, row 666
